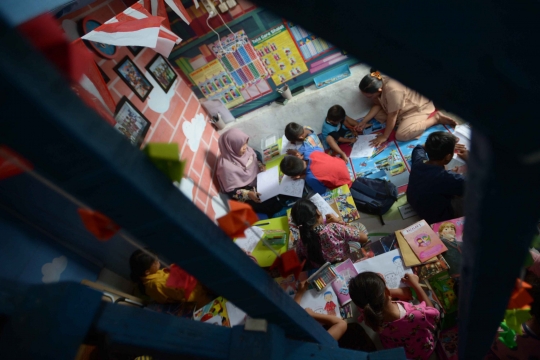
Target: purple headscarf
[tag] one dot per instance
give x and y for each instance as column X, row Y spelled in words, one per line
column 233, row 170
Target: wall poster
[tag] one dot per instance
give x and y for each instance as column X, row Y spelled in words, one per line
column 216, row 84
column 280, row 54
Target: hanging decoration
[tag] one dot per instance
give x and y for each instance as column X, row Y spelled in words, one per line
column 135, row 26
column 240, row 217
column 98, row 224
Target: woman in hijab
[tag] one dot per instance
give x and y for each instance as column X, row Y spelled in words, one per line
column 237, row 169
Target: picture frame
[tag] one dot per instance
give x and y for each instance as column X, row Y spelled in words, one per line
column 135, row 50
column 104, row 50
column 134, row 78
column 103, row 75
column 162, row 71
column 131, row 122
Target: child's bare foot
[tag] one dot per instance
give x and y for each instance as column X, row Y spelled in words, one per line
column 445, row 120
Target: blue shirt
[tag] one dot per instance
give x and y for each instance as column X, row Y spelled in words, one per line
column 431, row 188
column 311, row 180
column 311, row 141
column 327, row 128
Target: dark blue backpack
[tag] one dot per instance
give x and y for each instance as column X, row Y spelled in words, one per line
column 373, row 196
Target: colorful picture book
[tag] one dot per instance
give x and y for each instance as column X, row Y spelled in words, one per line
column 389, row 264
column 345, row 272
column 392, row 160
column 424, row 242
column 451, row 230
column 409, row 257
column 447, row 347
column 322, row 302
column 431, row 269
column 344, row 201
column 214, row 312
column 443, row 286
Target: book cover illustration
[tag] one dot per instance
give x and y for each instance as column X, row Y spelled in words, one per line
column 387, row 165
column 345, row 272
column 443, row 286
column 448, row 344
column 343, row 200
column 424, row 242
column 215, row 312
column 389, row 264
column 431, row 269
column 382, row 244
column 322, row 302
column 359, row 252
column 451, row 230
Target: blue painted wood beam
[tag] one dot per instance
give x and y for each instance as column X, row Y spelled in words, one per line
column 44, row 121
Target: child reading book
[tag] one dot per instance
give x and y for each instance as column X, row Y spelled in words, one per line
column 146, row 272
column 321, row 171
column 399, row 324
column 304, row 135
column 337, row 129
column 323, row 240
column 433, row 192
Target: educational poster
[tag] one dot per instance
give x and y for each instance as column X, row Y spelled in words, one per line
column 309, row 44
column 215, row 83
column 407, row 147
column 280, row 54
column 239, row 58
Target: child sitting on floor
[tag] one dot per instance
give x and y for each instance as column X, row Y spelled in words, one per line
column 399, row 323
column 146, row 272
column 323, row 240
column 321, row 171
column 433, row 192
column 337, row 129
column 297, row 133
column 527, row 344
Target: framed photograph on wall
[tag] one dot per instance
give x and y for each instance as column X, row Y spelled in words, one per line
column 162, row 72
column 135, row 50
column 134, row 78
column 131, row 122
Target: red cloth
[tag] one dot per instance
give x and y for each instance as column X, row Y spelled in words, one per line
column 330, row 171
column 180, row 279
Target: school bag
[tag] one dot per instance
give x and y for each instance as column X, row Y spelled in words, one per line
column 373, row 196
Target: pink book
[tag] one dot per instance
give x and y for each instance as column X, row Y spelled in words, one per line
column 345, row 272
column 423, row 241
column 451, row 230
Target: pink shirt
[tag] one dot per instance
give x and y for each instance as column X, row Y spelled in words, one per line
column 415, row 331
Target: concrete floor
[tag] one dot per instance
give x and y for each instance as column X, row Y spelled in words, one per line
column 308, row 108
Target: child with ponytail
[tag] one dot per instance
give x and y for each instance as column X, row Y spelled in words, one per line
column 399, row 323
column 323, row 239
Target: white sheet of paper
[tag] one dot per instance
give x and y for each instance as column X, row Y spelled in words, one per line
column 236, row 316
column 268, row 183
column 251, row 239
column 361, row 147
column 316, row 301
column 322, row 205
column 389, row 264
column 463, row 132
column 287, row 145
column 291, row 187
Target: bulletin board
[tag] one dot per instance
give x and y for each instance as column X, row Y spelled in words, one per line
column 239, row 58
column 216, row 84
column 310, row 45
column 279, row 54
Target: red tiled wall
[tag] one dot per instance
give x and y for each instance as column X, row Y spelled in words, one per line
column 167, row 126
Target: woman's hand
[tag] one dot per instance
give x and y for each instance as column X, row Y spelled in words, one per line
column 378, row 140
column 361, row 126
column 254, row 196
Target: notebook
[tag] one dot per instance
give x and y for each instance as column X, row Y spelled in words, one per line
column 424, row 242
